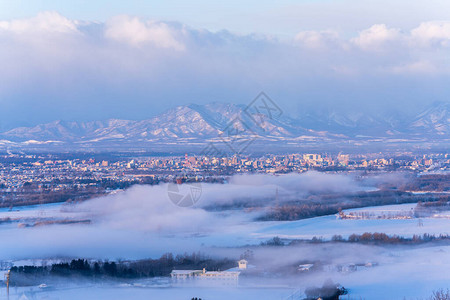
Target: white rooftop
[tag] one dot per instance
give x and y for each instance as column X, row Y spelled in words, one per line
column 186, row 272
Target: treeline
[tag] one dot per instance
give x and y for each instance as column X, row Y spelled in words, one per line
column 394, row 239
column 433, row 182
column 365, row 238
column 426, row 209
column 440, row 294
column 35, row 193
column 120, row 269
column 329, row 291
column 375, row 238
column 77, row 267
column 322, row 205
column 23, row 198
column 168, row 262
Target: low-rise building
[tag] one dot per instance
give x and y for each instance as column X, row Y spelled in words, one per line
column 230, row 276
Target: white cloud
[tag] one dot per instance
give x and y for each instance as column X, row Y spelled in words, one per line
column 418, row 67
column 65, row 65
column 432, row 32
column 49, row 21
column 375, row 37
column 317, row 39
column 149, row 208
column 136, row 32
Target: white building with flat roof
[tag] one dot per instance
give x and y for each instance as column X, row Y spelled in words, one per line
column 184, row 274
column 200, row 277
column 230, row 276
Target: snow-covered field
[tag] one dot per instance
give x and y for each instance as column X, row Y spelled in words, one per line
column 110, row 240
column 328, row 226
column 400, row 274
column 119, row 293
column 236, row 233
column 404, row 271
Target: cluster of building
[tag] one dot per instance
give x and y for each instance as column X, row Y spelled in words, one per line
column 297, row 163
column 50, row 171
column 376, row 215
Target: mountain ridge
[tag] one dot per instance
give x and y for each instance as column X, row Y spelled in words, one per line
column 205, row 122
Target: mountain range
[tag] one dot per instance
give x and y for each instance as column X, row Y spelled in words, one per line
column 205, row 123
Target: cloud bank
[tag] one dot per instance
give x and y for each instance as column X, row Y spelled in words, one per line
column 143, row 221
column 149, row 208
column 130, row 67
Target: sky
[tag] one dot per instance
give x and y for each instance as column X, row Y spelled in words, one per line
column 94, row 60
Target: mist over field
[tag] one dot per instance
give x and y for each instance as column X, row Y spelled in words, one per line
column 142, row 223
column 143, row 218
column 149, row 209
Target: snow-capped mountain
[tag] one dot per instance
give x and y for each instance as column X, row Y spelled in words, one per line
column 434, row 120
column 191, row 121
column 353, row 123
column 210, row 121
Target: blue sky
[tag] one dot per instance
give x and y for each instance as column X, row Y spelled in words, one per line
column 87, row 60
column 282, row 17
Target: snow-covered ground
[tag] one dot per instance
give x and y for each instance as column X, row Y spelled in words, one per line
column 103, row 240
column 400, row 274
column 52, row 210
column 409, row 272
column 328, row 226
column 137, row 293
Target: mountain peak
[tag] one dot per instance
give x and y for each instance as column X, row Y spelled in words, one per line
column 204, row 122
column 435, row 119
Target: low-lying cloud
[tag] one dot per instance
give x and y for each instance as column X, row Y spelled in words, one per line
column 129, row 64
column 143, row 219
column 142, row 222
column 148, row 208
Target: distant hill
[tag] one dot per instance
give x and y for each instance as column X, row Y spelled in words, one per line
column 203, row 123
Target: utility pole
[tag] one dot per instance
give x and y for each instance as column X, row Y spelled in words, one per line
column 7, row 282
